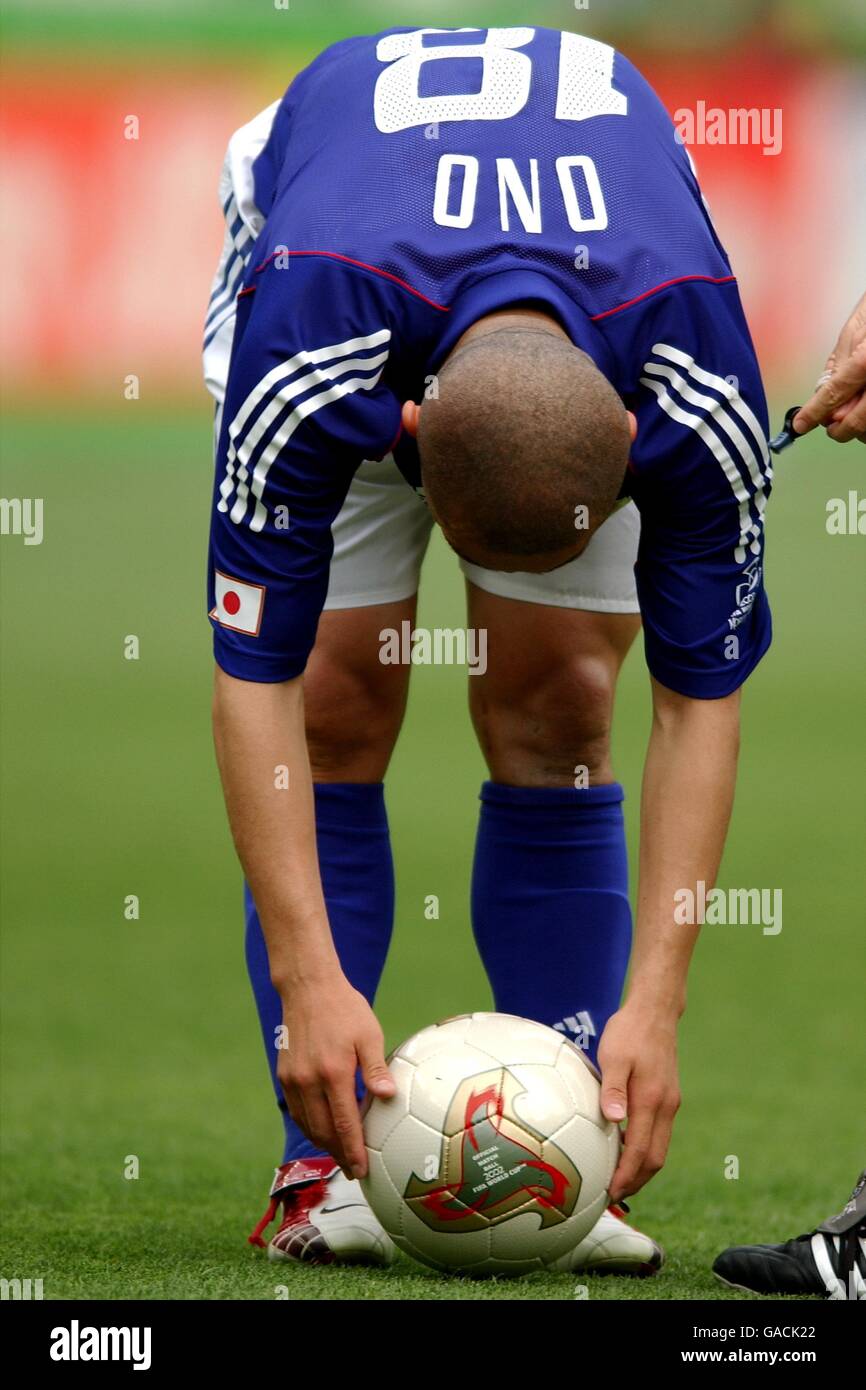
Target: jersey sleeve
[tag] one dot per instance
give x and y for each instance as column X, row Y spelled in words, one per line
column 305, row 404
column 701, row 477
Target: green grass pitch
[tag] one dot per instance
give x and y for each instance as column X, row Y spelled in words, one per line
column 139, row 1038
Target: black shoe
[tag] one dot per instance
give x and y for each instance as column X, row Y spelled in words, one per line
column 829, row 1262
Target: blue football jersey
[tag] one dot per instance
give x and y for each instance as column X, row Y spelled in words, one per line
column 410, row 183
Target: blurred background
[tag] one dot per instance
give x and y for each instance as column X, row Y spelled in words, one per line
column 106, row 234
column 136, row 1035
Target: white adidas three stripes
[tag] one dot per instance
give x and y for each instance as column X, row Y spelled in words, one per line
column 279, row 387
column 727, row 426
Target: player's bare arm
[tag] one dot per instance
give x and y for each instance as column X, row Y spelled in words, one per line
column 688, row 791
column 329, row 1027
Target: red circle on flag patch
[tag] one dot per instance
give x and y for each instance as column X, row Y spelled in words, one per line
column 231, row 602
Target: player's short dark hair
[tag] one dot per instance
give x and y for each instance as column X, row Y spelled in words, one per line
column 524, row 430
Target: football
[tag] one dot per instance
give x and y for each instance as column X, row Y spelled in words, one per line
column 493, row 1157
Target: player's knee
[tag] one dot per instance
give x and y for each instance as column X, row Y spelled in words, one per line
column 551, row 724
column 353, row 717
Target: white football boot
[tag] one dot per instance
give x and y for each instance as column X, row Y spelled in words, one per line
column 326, row 1218
column 613, row 1247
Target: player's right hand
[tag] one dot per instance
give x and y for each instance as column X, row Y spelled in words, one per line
column 330, row 1030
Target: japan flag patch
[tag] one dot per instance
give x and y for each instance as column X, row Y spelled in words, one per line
column 239, row 605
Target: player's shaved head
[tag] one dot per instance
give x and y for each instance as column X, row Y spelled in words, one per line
column 525, row 430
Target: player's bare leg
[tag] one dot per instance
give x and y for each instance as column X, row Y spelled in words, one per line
column 544, row 706
column 354, row 703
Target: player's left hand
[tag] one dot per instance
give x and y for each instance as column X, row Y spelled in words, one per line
column 638, row 1060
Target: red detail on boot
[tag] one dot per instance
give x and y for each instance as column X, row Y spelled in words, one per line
column 297, row 1186
column 256, row 1237
column 301, row 1170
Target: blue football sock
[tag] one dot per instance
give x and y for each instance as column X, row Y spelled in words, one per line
column 358, row 880
column 550, row 907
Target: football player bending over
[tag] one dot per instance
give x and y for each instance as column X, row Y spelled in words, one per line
column 469, row 279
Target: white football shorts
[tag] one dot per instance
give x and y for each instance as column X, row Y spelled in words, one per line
column 383, row 530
